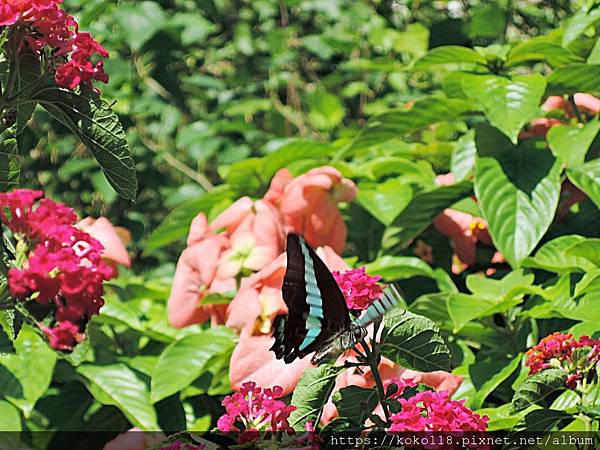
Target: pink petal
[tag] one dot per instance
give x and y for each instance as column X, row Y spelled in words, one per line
column 253, row 361
column 234, row 215
column 104, row 231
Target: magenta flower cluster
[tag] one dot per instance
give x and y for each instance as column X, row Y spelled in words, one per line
column 44, row 25
column 253, row 410
column 359, row 289
column 434, row 411
column 62, row 267
column 576, row 357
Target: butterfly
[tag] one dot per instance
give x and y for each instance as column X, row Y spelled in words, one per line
column 318, row 319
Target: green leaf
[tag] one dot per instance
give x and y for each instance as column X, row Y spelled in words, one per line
column 571, row 143
column 185, row 360
column 492, row 376
column 422, row 113
column 414, row 342
column 508, row 103
column 574, row 78
column 355, row 403
column 578, row 24
column 463, row 156
column 542, row 420
column 386, row 200
column 588, row 248
column 553, row 256
column 539, row 389
column 540, row 48
column 32, row 365
column 177, row 224
column 97, row 125
column 28, row 72
column 518, row 190
column 450, row 54
column 326, row 111
column 464, row 308
column 311, row 394
column 301, row 149
column 400, row 267
column 10, row 419
column 9, row 160
column 139, row 22
column 424, row 207
column 587, row 178
column 118, row 385
column 488, row 21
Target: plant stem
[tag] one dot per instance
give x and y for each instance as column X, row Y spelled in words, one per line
column 373, row 360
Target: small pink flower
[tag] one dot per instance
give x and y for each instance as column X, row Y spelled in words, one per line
column 359, row 289
column 390, row 373
column 63, row 337
column 253, row 410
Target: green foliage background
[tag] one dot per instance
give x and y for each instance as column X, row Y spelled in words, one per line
column 216, row 95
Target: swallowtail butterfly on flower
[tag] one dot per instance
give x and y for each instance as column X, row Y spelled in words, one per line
column 318, row 319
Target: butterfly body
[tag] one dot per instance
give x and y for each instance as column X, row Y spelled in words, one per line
column 318, row 319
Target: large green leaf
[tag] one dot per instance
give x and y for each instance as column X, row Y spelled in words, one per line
column 292, row 152
column 177, row 224
column 9, row 160
column 553, row 256
column 32, row 365
column 578, row 24
column 118, row 385
column 385, row 201
column 508, row 103
column 450, row 54
column 518, row 189
column 539, row 389
column 414, row 342
column 571, row 143
column 10, row 420
column 588, row 248
column 541, row 420
column 400, row 267
column 97, row 125
column 356, row 403
column 423, row 112
column 492, row 375
column 574, row 78
column 540, row 49
column 28, row 73
column 587, row 178
column 311, row 394
column 463, row 156
column 185, row 360
column 424, row 207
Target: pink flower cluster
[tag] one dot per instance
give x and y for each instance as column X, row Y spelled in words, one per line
column 250, row 235
column 576, row 357
column 253, row 410
column 359, row 289
column 63, row 269
column 434, row 411
column 45, row 25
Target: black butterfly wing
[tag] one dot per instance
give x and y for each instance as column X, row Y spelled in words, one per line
column 316, row 306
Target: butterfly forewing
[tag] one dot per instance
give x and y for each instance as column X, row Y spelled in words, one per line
column 316, row 306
